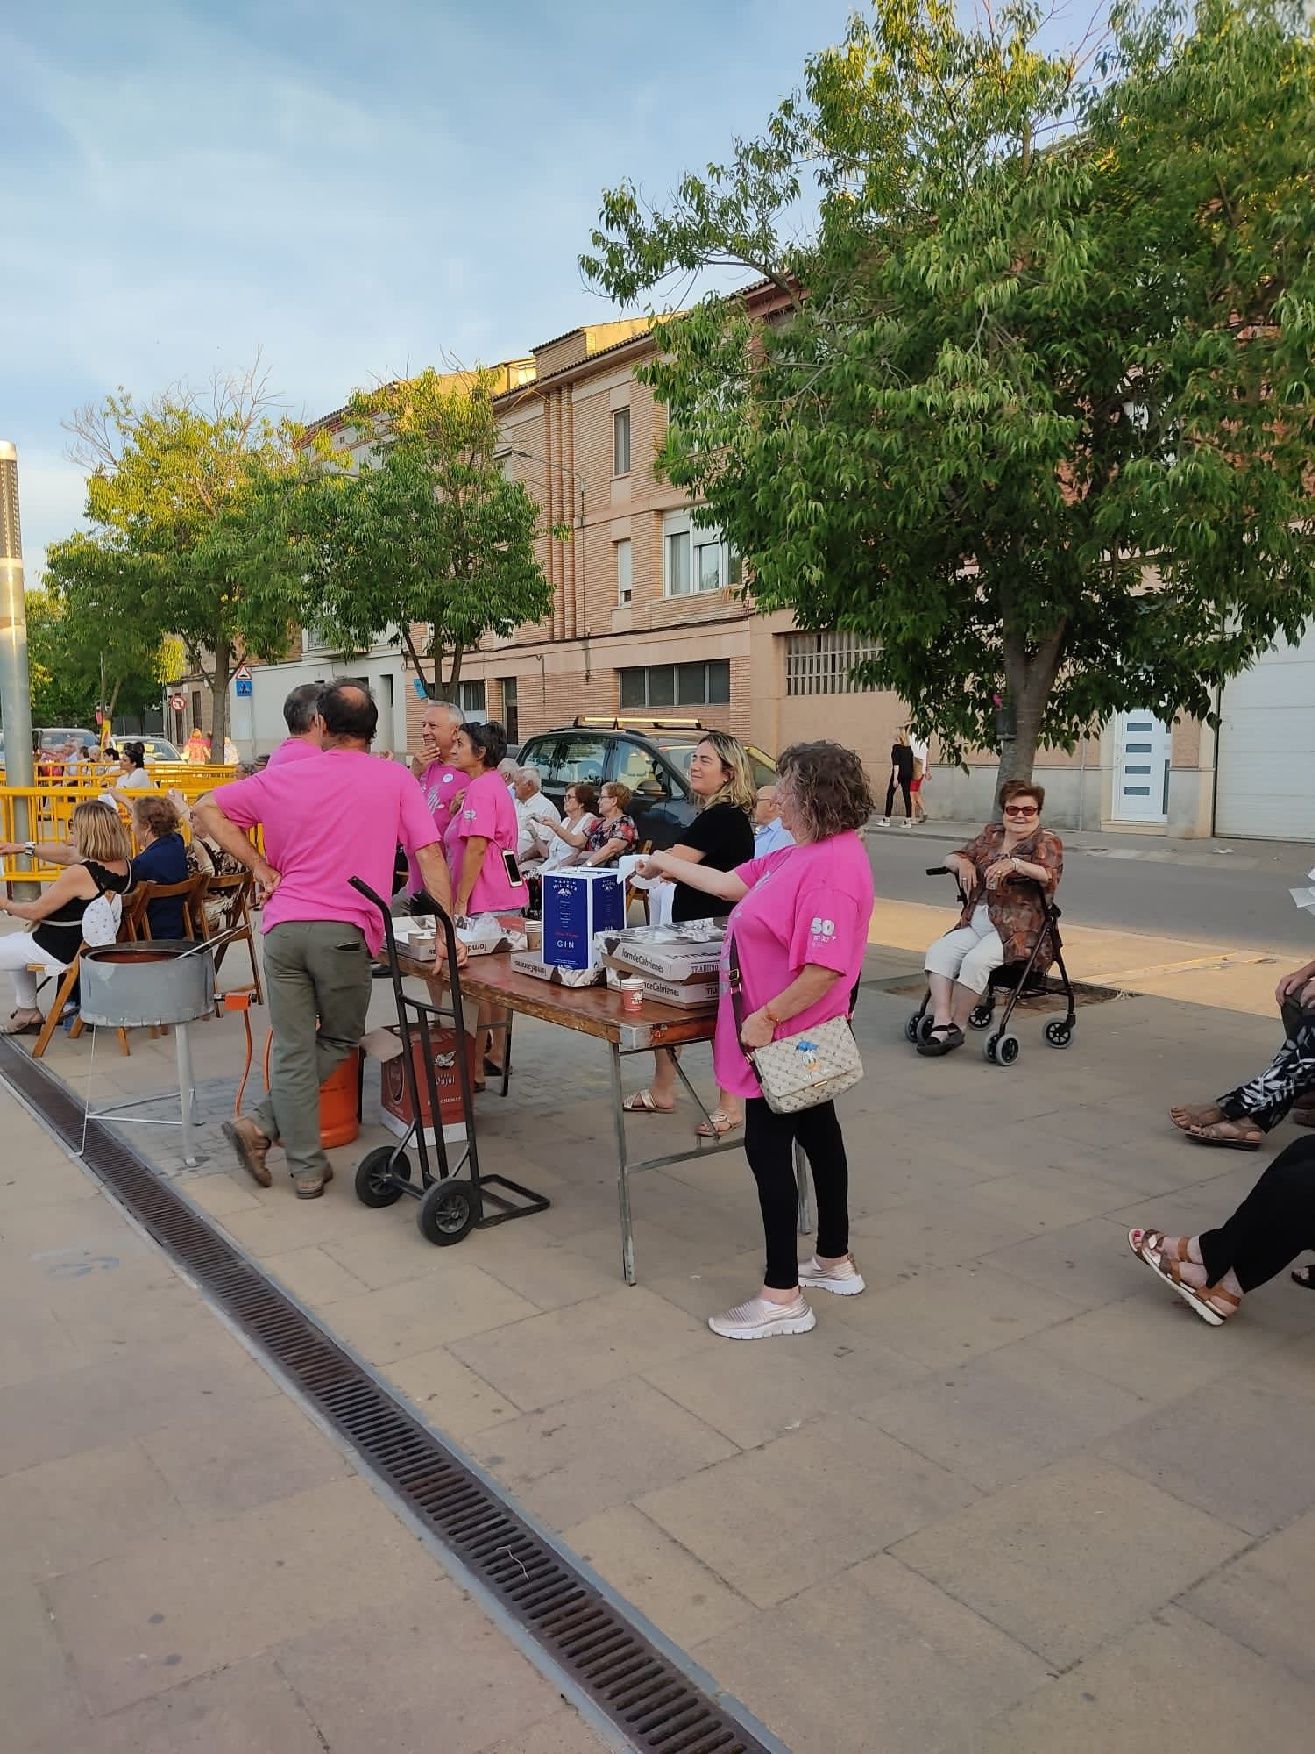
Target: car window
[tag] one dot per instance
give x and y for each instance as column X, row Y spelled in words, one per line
column 764, row 771
column 638, row 768
column 567, row 759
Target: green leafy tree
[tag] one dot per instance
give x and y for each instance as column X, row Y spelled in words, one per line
column 412, row 532
column 98, row 653
column 176, row 500
column 1038, row 413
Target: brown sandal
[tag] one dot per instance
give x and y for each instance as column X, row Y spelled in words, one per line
column 1212, row 1303
column 1225, row 1136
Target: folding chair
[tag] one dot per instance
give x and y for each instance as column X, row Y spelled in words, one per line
column 235, row 919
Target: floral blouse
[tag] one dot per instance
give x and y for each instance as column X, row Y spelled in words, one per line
column 1014, row 906
column 620, row 828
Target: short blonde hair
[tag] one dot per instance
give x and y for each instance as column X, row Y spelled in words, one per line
column 98, row 832
column 737, row 787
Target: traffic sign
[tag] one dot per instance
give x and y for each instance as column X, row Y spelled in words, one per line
column 177, row 703
column 243, row 684
column 242, row 673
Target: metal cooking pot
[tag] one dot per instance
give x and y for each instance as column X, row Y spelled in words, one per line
column 126, row 986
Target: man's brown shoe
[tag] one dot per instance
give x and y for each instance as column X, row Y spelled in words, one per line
column 252, row 1148
column 310, row 1187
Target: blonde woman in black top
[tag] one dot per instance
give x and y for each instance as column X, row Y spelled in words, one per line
column 721, row 837
column 98, row 866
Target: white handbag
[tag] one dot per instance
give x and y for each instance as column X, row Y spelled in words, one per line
column 803, row 1070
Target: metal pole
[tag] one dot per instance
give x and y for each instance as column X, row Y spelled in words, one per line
column 15, row 686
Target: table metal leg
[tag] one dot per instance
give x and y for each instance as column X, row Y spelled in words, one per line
column 804, row 1181
column 186, row 1091
column 622, row 1169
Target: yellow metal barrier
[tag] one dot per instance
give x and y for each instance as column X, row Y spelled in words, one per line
column 51, row 803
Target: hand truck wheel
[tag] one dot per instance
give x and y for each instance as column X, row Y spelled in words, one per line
column 448, row 1212
column 379, row 1176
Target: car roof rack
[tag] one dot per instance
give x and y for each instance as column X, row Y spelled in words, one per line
column 614, row 722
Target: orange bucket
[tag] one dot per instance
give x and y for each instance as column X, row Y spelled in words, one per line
column 340, row 1103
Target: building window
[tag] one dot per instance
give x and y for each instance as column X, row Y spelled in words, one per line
column 625, row 573
column 470, row 698
column 511, row 712
column 823, row 663
column 621, row 441
column 694, row 559
column 664, row 685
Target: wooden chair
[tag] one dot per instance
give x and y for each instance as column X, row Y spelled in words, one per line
column 64, row 992
column 191, row 891
column 638, row 895
column 234, row 917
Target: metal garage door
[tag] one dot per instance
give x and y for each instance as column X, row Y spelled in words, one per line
column 1267, row 746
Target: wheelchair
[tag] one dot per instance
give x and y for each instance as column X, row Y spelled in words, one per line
column 1018, row 980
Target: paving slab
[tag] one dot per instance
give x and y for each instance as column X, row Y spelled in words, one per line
column 682, row 1596
column 1265, row 1598
column 1170, row 1680
column 773, row 1520
column 598, row 1450
column 1068, row 1558
column 921, row 1672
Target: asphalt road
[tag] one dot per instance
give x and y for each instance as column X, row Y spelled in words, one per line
column 1218, row 892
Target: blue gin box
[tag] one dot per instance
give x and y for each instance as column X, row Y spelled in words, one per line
column 576, row 904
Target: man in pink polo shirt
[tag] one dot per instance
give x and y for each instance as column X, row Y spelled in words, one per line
column 441, row 783
column 301, row 714
column 327, row 818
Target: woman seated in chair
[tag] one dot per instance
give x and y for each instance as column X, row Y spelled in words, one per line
column 1004, row 916
column 163, row 859
column 84, row 903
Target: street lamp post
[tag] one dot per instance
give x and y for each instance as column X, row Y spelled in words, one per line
column 15, row 684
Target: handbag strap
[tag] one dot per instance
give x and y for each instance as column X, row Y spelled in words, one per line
column 737, row 993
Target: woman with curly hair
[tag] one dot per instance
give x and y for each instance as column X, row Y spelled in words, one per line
column 799, row 927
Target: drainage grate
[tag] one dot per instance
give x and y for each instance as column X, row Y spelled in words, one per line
column 637, row 1686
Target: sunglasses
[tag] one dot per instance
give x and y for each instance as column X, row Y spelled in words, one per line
column 1021, row 810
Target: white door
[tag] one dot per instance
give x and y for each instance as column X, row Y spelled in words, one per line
column 1141, row 768
column 1266, row 760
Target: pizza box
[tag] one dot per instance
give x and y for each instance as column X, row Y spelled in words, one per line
column 688, row 952
column 696, row 995
column 531, row 962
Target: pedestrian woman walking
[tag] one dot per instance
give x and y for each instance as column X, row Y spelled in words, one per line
column 798, row 929
column 901, row 773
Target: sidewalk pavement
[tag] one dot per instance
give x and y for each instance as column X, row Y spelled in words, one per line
column 191, row 1566
column 1015, row 1499
column 1124, row 843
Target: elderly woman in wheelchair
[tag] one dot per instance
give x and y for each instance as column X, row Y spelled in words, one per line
column 1007, row 877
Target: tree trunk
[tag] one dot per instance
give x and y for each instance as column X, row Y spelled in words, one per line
column 1029, row 677
column 219, row 700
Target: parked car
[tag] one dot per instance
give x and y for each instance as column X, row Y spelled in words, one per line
column 651, row 756
column 157, row 748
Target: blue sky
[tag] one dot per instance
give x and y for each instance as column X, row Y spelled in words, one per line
column 355, row 189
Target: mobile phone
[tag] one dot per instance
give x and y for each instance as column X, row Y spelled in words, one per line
column 511, row 865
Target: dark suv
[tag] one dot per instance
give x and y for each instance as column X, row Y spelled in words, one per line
column 651, row 756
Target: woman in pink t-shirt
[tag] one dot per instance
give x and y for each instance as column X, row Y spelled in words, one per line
column 800, row 928
column 478, row 839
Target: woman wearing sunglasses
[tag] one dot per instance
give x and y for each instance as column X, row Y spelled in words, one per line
column 1002, row 918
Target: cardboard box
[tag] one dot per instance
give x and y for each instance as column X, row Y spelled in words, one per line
column 530, row 962
column 691, row 995
column 491, row 934
column 395, row 1100
column 577, row 905
column 689, row 952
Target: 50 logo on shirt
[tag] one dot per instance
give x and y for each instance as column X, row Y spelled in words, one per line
column 823, row 928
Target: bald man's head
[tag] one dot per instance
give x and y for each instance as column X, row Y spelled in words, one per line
column 349, row 713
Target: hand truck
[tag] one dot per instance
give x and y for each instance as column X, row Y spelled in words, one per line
column 452, row 1204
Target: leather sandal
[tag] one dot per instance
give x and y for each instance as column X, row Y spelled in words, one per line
column 942, row 1038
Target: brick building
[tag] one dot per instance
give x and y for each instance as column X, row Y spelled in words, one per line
column 648, row 618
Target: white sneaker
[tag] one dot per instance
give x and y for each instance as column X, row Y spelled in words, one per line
column 844, row 1278
column 759, row 1319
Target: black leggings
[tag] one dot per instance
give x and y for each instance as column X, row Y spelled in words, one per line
column 768, row 1142
column 904, row 793
column 1272, row 1226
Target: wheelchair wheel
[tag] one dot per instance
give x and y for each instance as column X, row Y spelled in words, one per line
column 1059, row 1034
column 1000, row 1050
column 980, row 1017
